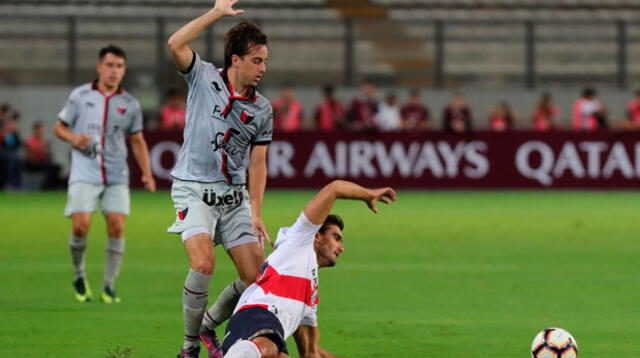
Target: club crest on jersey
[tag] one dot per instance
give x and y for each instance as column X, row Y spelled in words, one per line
column 246, row 117
column 121, row 110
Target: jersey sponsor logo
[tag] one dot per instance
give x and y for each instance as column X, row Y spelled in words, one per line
column 210, row 198
column 90, row 104
column 94, row 129
column 121, row 110
column 216, row 85
column 217, row 113
column 223, row 141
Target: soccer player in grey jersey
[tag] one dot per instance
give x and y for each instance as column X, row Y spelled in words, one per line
column 95, row 120
column 228, row 126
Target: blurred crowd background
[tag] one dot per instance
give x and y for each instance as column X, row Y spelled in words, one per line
column 457, row 66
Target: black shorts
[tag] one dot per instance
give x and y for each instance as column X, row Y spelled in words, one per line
column 251, row 323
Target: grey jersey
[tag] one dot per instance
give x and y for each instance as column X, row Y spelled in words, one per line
column 221, row 127
column 106, row 119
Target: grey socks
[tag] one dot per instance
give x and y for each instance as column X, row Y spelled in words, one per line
column 194, row 303
column 222, row 309
column 114, row 254
column 78, row 246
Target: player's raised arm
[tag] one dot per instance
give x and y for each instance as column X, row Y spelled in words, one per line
column 179, row 42
column 319, row 207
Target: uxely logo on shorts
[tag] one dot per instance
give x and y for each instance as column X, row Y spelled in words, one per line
column 212, row 199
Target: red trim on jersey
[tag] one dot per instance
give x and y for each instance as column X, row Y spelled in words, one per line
column 225, row 166
column 250, row 306
column 105, row 115
column 292, row 287
column 232, row 96
column 103, row 170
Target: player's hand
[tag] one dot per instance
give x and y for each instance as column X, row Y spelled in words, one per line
column 385, row 195
column 260, row 230
column 80, row 141
column 149, row 183
column 225, row 7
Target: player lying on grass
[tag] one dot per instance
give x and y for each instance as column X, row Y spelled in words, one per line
column 284, row 298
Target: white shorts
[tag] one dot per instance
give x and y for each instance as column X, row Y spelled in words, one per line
column 221, row 210
column 84, row 197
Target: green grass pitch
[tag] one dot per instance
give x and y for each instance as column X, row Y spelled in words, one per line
column 438, row 274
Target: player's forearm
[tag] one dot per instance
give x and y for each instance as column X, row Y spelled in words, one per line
column 189, row 32
column 347, row 190
column 61, row 131
column 257, row 184
column 141, row 154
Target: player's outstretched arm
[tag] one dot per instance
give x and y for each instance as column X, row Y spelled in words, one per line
column 179, row 42
column 319, row 207
column 307, row 339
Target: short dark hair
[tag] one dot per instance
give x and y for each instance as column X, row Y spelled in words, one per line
column 328, row 90
column 240, row 39
column 112, row 49
column 331, row 220
column 588, row 92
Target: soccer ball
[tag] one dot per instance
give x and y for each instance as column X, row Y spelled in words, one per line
column 554, row 343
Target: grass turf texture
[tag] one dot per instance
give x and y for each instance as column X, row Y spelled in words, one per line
column 446, row 274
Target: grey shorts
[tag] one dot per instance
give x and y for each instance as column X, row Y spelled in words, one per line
column 219, row 209
column 84, row 198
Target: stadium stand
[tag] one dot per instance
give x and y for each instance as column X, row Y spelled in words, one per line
column 403, row 42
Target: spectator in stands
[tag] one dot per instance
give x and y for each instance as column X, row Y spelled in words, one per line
column 330, row 113
column 633, row 114
column 456, row 117
column 415, row 115
column 38, row 158
column 589, row 114
column 388, row 116
column 364, row 108
column 501, row 118
column 10, row 144
column 173, row 113
column 287, row 111
column 545, row 114
column 7, row 113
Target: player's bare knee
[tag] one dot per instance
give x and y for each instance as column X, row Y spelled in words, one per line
column 80, row 229
column 203, row 264
column 115, row 225
column 248, row 276
column 267, row 347
column 115, row 229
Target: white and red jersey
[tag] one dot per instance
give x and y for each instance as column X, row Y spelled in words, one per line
column 288, row 282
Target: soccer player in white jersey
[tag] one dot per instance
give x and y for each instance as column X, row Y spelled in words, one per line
column 228, row 126
column 95, row 120
column 283, row 300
